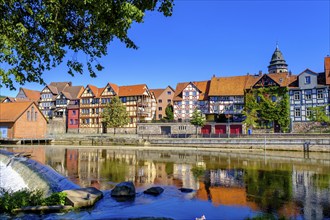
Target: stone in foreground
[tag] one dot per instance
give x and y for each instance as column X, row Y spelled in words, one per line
column 83, row 197
column 123, row 189
column 43, row 209
column 154, row 191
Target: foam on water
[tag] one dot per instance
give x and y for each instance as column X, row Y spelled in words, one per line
column 10, row 179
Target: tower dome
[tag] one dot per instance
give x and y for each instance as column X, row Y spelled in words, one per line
column 277, row 63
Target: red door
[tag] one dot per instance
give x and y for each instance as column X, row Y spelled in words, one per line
column 220, row 129
column 206, row 129
column 235, row 129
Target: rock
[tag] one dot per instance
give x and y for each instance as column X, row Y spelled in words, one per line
column 154, row 191
column 186, row 190
column 83, row 197
column 123, row 189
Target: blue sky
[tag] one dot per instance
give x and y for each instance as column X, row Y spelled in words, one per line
column 215, row 37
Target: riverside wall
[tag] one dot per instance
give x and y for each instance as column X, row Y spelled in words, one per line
column 319, row 143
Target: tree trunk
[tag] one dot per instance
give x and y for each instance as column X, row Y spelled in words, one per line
column 196, row 131
column 114, row 131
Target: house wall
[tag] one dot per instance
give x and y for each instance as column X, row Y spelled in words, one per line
column 73, row 118
column 184, row 109
column 162, row 101
column 33, row 127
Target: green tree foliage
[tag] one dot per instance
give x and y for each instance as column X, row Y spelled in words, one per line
column 318, row 114
column 198, row 119
column 114, row 114
column 9, row 201
column 169, row 112
column 35, row 36
column 268, row 104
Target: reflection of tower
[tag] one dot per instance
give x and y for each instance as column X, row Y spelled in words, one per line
column 305, row 190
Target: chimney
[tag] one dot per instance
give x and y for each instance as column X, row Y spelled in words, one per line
column 260, row 72
column 327, row 69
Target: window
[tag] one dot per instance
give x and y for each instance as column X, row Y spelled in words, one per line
column 187, row 103
column 74, row 112
column 296, row 95
column 160, row 101
column 308, row 112
column 194, row 93
column 169, row 101
column 160, row 116
column 160, row 108
column 308, row 94
column 76, row 121
column 32, row 113
column 169, row 92
column 35, row 116
column 187, row 111
column 123, row 99
column 109, row 89
column 297, row 112
column 28, row 116
column 179, row 103
column 71, row 121
column 186, row 93
column 307, row 80
column 273, row 98
column 320, row 93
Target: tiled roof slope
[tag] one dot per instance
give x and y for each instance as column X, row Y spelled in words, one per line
column 11, row 111
column 132, row 90
column 157, row 92
column 73, row 92
column 327, row 69
column 32, row 95
column 283, row 79
column 57, row 87
column 203, row 87
column 227, row 86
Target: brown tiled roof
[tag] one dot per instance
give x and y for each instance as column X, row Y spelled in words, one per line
column 113, row 86
column 73, row 92
column 327, row 70
column 11, row 111
column 157, row 92
column 32, row 95
column 95, row 90
column 11, row 99
column 283, row 79
column 228, row 86
column 251, row 80
column 202, row 86
column 57, row 87
column 132, row 90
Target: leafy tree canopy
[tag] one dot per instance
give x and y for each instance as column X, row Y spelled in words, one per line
column 318, row 114
column 35, row 36
column 197, row 118
column 115, row 114
column 169, row 112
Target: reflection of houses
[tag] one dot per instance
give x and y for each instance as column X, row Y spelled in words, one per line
column 72, row 164
column 146, row 173
column 230, row 196
column 227, row 178
column 21, row 120
column 89, row 166
column 314, row 199
column 56, row 159
column 162, row 177
column 184, row 173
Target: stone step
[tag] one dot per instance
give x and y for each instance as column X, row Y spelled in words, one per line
column 83, row 197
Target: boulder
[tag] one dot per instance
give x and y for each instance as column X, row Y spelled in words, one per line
column 154, row 191
column 186, row 190
column 123, row 189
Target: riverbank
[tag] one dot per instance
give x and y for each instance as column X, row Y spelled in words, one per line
column 282, row 142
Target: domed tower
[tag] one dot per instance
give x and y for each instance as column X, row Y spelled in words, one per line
column 277, row 63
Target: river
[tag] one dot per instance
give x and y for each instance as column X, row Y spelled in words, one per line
column 227, row 185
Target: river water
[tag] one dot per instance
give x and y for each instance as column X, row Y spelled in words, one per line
column 227, row 185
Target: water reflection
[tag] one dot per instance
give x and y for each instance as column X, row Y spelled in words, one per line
column 291, row 186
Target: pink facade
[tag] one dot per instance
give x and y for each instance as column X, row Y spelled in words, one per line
column 73, row 118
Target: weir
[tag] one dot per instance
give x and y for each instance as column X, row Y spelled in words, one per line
column 18, row 172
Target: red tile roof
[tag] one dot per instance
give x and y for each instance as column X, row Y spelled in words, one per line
column 32, row 95
column 11, row 111
column 133, row 90
column 202, row 86
column 157, row 92
column 327, row 70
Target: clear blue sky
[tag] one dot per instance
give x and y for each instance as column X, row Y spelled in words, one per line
column 202, row 38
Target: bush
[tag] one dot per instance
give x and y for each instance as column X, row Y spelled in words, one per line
column 12, row 200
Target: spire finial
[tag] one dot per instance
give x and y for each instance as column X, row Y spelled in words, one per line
column 276, row 44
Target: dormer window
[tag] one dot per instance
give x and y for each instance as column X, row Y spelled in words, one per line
column 307, row 80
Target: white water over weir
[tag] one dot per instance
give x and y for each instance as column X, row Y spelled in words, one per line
column 19, row 172
column 10, row 180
